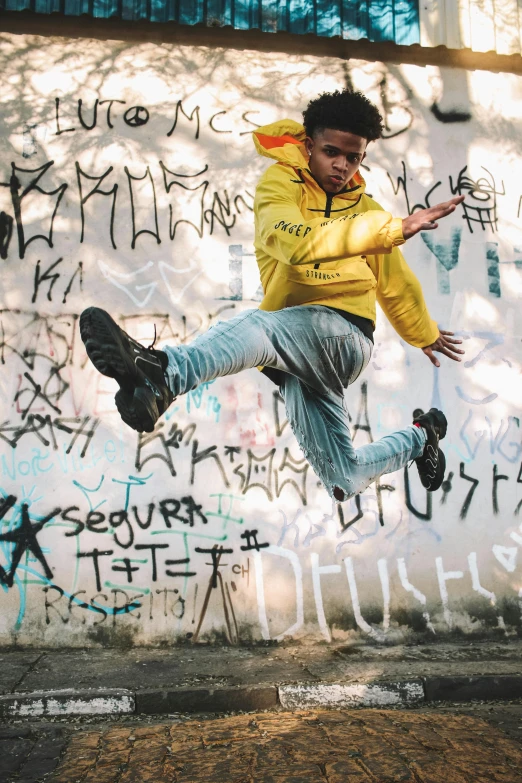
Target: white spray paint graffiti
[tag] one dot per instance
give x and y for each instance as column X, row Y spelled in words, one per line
column 134, row 192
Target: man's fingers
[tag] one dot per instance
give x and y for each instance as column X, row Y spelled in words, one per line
column 433, row 359
column 445, row 208
column 447, row 342
column 426, row 219
column 443, row 345
column 447, row 338
column 453, row 202
column 452, row 342
column 446, row 345
column 455, row 350
column 442, row 211
column 449, row 353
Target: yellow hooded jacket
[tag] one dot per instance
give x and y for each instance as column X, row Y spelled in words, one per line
column 336, row 250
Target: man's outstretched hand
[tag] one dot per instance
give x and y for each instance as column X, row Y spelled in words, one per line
column 426, row 219
column 443, row 344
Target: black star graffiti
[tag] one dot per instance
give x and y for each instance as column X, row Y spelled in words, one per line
column 24, row 539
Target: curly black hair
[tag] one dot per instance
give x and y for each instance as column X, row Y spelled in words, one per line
column 346, row 110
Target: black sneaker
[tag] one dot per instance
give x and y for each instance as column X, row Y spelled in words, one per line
column 432, row 462
column 144, row 394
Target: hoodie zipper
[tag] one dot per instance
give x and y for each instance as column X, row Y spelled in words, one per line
column 327, row 213
column 328, row 207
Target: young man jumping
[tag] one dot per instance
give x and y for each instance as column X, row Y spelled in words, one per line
column 326, row 252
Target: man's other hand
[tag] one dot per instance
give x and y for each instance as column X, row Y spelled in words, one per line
column 426, row 219
column 443, row 344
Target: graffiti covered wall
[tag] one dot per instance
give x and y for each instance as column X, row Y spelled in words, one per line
column 127, row 175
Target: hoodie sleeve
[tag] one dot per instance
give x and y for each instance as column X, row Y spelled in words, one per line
column 400, row 296
column 288, row 237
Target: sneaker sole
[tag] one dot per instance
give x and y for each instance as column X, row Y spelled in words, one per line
column 433, row 484
column 105, row 348
column 135, row 402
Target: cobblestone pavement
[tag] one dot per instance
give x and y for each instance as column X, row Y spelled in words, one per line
column 430, row 746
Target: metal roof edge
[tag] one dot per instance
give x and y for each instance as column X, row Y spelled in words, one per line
column 85, row 26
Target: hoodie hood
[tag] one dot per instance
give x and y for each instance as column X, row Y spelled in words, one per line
column 283, row 141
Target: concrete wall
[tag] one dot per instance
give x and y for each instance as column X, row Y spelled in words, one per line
column 133, row 180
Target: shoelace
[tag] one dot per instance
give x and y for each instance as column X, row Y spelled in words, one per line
column 153, row 343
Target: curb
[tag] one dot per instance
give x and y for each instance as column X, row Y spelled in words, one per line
column 385, row 694
column 475, row 688
column 300, row 696
column 241, row 699
column 110, row 701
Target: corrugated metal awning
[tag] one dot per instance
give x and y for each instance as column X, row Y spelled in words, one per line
column 479, row 25
column 376, row 20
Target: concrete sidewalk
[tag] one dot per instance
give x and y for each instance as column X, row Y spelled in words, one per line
column 198, row 678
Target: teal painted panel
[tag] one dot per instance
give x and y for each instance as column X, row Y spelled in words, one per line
column 377, row 20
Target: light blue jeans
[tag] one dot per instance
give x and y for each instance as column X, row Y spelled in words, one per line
column 319, row 354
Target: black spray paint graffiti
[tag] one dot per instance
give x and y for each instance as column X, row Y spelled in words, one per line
column 134, row 117
column 138, row 116
column 425, row 515
column 34, row 393
column 122, row 604
column 479, row 206
column 199, row 206
column 184, row 510
column 22, row 183
column 190, row 205
column 449, row 116
column 44, row 428
column 496, row 478
column 63, row 606
column 189, row 117
column 50, row 276
column 469, row 497
column 402, row 183
column 140, row 205
column 31, row 337
column 259, row 472
column 172, row 439
column 199, row 190
column 6, row 232
column 96, row 190
column 24, row 539
column 482, row 208
column 96, row 557
column 45, row 346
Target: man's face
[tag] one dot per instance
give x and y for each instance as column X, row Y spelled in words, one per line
column 335, row 156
